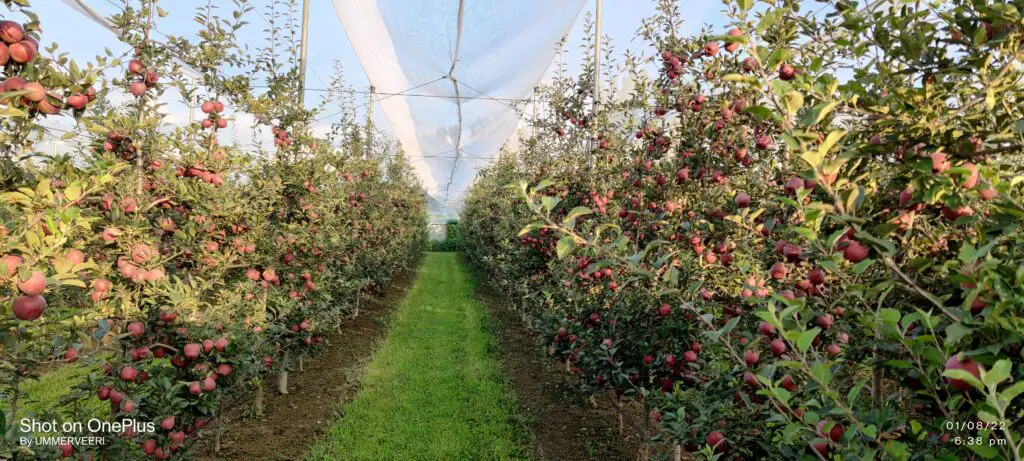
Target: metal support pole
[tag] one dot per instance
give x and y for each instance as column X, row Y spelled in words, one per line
column 369, row 119
column 302, row 53
column 597, row 55
column 597, row 84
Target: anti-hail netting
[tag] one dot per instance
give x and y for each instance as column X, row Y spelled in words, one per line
column 458, row 67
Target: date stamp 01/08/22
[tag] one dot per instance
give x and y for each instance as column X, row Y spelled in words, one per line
column 994, row 438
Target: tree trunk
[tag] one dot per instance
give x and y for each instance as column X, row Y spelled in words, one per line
column 220, row 427
column 622, row 423
column 257, row 402
column 282, row 376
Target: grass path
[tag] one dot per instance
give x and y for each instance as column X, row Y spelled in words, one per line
column 433, row 390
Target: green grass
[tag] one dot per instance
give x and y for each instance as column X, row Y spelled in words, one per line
column 41, row 396
column 434, row 389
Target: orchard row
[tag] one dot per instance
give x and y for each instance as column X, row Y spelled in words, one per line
column 799, row 237
column 178, row 269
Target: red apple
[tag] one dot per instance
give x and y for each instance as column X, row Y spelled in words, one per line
column 854, row 252
column 716, row 440
column 778, row 347
column 742, row 200
column 962, row 362
column 128, row 374
column 192, row 350
column 136, row 329
column 11, row 32
column 786, row 72
column 77, row 101
column 940, row 163
column 11, row 262
column 788, row 384
column 29, row 307
column 149, row 446
column 137, row 88
column 834, row 434
column 779, row 271
column 74, row 257
column 820, row 447
column 135, row 66
column 22, row 51
column 36, row 92
column 34, row 285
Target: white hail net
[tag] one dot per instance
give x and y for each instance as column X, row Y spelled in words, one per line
column 450, row 76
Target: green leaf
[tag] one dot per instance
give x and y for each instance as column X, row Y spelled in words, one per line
column 745, row 5
column 1012, row 392
column 806, row 338
column 889, row 316
column 793, row 101
column 73, row 192
column 956, row 331
column 830, row 141
column 740, row 78
column 11, row 111
column 760, row 112
column 821, row 372
column 862, row 266
column 813, row 158
column 566, row 245
column 851, row 397
column 1000, row 372
column 770, row 18
column 819, row 112
column 963, row 375
column 575, row 213
column 549, row 203
column 530, row 227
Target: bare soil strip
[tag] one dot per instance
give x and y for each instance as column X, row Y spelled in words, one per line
column 293, row 422
column 564, row 425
